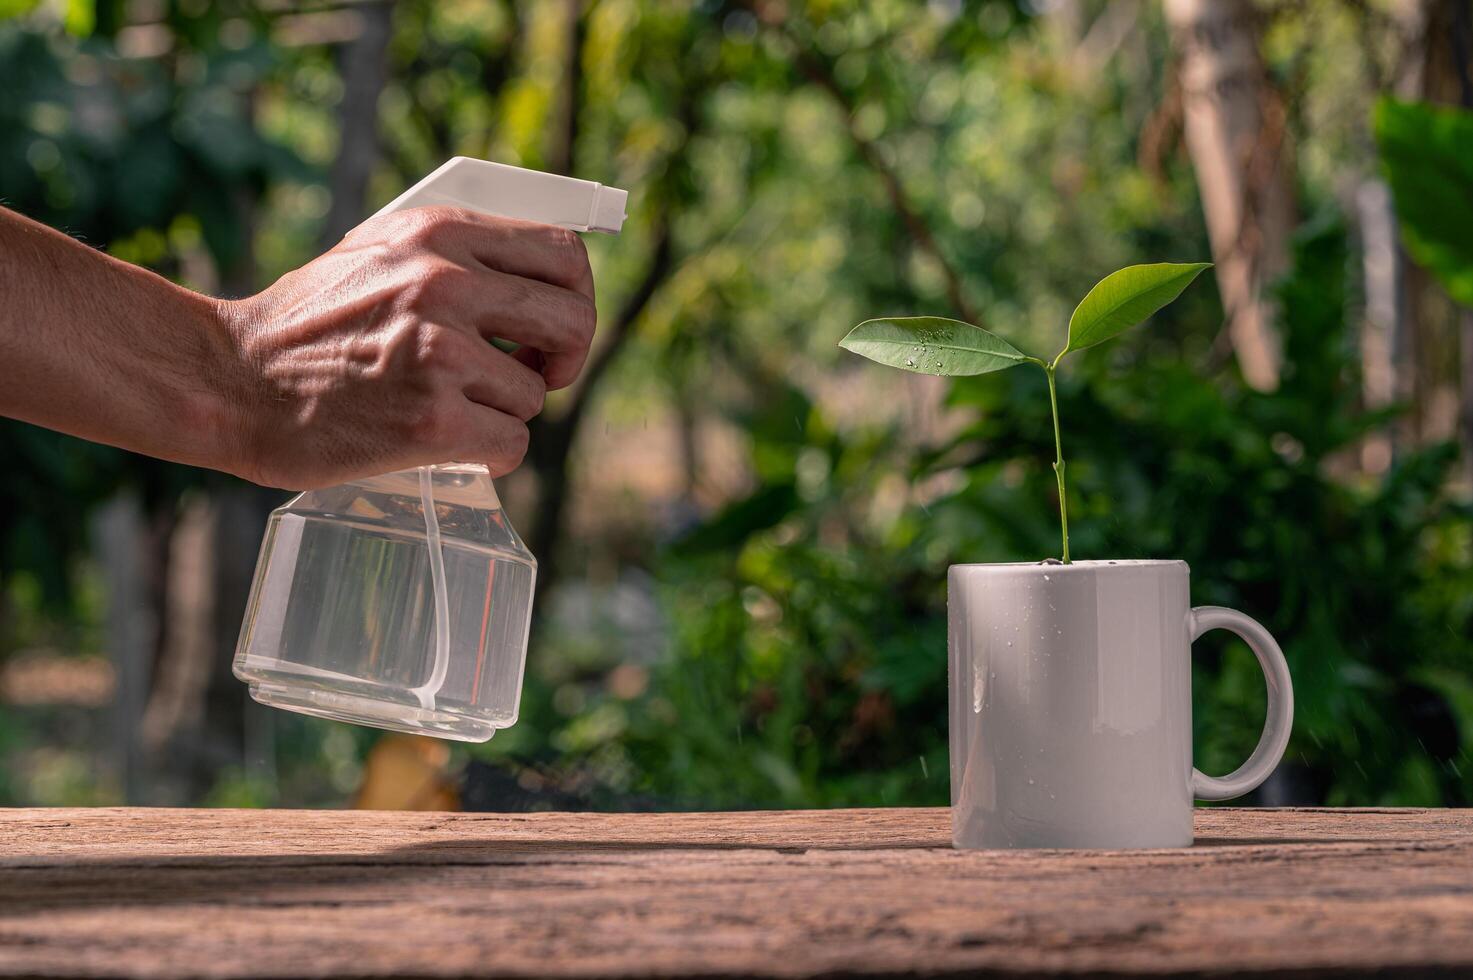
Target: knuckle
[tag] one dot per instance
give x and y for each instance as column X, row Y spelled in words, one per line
column 517, row 443
column 521, row 438
column 414, row 351
column 533, row 397
column 425, row 227
column 428, row 283
column 436, row 348
column 574, row 318
column 585, row 319
column 570, row 244
column 509, row 446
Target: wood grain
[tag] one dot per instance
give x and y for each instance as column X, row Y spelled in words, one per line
column 230, row 893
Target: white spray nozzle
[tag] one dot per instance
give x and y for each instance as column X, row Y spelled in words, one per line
column 511, row 192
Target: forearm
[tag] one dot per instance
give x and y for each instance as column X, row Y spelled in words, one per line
column 110, row 352
column 371, row 358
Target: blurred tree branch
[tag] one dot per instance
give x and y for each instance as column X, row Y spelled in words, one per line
column 820, row 73
column 553, row 437
column 563, row 156
column 1104, row 38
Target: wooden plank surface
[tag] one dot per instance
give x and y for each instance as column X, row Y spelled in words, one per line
column 227, row 893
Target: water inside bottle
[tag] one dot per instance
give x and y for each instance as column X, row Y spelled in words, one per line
column 370, row 607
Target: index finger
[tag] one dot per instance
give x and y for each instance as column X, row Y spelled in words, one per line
column 529, row 249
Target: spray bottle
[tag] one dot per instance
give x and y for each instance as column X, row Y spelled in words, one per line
column 403, row 601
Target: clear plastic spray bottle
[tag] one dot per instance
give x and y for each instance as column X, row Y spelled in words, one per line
column 403, row 601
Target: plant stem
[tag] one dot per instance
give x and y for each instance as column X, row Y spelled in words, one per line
column 1053, row 401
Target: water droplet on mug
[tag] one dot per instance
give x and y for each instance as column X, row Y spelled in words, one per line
column 1047, row 579
column 1030, row 782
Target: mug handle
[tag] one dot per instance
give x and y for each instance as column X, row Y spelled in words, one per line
column 1280, row 719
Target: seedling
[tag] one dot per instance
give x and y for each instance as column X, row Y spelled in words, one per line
column 938, row 346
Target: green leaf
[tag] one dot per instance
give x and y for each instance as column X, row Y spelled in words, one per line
column 17, row 8
column 1124, row 298
column 80, row 17
column 932, row 345
column 1427, row 156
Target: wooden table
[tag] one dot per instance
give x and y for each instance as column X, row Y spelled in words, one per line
column 227, row 893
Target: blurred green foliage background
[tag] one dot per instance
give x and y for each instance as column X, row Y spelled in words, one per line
column 744, row 532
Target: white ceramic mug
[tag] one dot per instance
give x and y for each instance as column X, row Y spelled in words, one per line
column 1071, row 704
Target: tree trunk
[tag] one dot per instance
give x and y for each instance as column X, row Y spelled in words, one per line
column 1431, row 350
column 553, row 437
column 1381, row 327
column 125, row 553
column 562, row 155
column 364, row 65
column 190, row 720
column 1236, row 135
column 550, row 451
column 174, row 719
column 1446, row 70
column 240, row 512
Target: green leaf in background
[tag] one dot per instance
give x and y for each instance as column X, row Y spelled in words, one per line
column 80, row 17
column 1427, row 155
column 932, row 345
column 16, row 8
column 1124, row 298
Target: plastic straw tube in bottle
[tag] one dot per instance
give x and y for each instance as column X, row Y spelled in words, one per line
column 507, row 192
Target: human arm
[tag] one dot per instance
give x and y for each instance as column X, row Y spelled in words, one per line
column 371, row 358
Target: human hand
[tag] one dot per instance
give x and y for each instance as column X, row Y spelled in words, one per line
column 377, row 357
